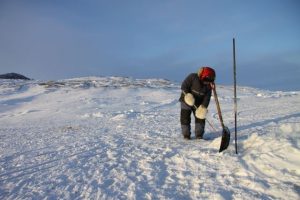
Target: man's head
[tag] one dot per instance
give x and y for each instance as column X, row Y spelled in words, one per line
column 207, row 75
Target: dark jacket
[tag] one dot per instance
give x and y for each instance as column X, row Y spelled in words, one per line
column 201, row 92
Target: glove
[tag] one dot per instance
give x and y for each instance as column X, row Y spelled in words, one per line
column 189, row 99
column 201, row 112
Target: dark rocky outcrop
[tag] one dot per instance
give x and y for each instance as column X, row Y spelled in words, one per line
column 13, row 76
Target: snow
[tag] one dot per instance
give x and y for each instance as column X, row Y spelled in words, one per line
column 119, row 138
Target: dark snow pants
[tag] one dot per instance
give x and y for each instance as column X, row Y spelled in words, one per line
column 185, row 120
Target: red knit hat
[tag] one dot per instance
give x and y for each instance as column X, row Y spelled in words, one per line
column 207, row 74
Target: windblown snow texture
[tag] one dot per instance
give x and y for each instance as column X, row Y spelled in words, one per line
column 119, row 138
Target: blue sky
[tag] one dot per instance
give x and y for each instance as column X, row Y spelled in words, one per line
column 54, row 39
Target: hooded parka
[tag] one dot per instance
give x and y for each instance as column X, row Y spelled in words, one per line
column 202, row 94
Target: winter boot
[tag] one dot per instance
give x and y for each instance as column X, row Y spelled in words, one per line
column 199, row 129
column 186, row 131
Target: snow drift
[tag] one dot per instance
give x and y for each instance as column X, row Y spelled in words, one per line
column 119, row 138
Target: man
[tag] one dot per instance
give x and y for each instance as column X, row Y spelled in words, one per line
column 195, row 97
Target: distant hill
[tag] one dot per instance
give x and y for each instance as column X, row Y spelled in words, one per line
column 13, row 76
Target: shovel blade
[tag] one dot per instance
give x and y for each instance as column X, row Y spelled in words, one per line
column 225, row 139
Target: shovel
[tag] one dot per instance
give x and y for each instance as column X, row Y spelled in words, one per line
column 225, row 133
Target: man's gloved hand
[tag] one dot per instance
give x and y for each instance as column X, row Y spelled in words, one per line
column 201, row 112
column 189, row 99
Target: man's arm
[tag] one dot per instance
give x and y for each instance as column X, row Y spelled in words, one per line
column 187, row 83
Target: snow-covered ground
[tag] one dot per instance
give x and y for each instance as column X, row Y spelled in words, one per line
column 119, row 138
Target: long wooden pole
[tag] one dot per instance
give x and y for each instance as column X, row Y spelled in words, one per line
column 235, row 98
column 218, row 105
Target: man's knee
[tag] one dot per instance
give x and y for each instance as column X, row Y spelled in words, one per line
column 185, row 117
column 185, row 114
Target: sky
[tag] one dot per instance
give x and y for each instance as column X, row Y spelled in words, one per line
column 54, row 39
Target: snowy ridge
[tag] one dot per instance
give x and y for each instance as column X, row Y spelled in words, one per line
column 115, row 82
column 119, row 138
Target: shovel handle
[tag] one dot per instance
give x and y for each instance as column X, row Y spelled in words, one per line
column 213, row 85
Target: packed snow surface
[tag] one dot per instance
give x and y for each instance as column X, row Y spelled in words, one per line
column 119, row 138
